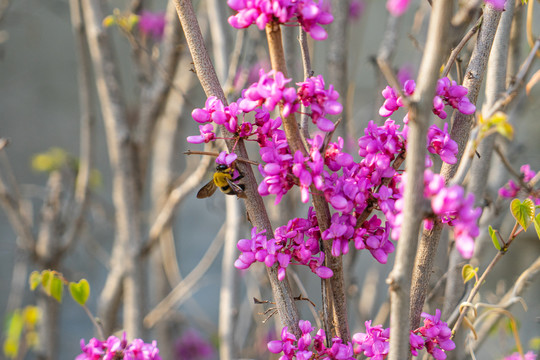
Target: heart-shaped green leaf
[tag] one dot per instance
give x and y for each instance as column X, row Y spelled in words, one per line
column 468, row 273
column 56, row 288
column 523, row 212
column 46, row 277
column 494, row 239
column 35, row 280
column 80, row 291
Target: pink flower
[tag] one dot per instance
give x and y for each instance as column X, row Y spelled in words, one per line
column 356, row 9
column 152, row 24
column 516, row 356
column 115, row 348
column 397, row 7
column 497, row 4
column 192, row 345
column 437, row 335
column 439, row 142
column 309, row 346
column 307, row 13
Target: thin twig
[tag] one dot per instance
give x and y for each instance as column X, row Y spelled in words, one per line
column 510, row 168
column 482, row 278
column 306, row 62
column 455, row 52
column 234, row 65
column 216, row 154
column 97, row 325
column 512, row 91
column 529, row 27
column 12, row 207
column 86, row 100
column 185, row 287
column 504, row 100
column 302, row 289
column 521, row 284
column 392, row 79
column 229, row 279
column 174, row 198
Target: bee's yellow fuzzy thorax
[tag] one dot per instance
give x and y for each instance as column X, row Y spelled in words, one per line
column 220, row 178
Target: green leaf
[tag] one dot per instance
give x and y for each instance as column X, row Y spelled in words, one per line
column 468, row 273
column 51, row 160
column 80, row 291
column 523, row 212
column 537, row 225
column 11, row 348
column 506, row 130
column 494, row 238
column 15, row 324
column 35, row 280
column 46, row 277
column 56, row 288
column 534, row 343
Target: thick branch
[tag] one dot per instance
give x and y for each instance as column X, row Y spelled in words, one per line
column 460, row 133
column 254, row 204
column 125, row 196
column 335, row 298
column 419, row 114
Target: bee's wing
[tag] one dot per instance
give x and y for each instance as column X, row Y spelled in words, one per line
column 207, row 190
column 238, row 191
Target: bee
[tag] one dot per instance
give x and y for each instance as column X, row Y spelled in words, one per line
column 223, row 179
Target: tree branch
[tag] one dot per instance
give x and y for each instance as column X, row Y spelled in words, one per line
column 254, row 204
column 419, row 114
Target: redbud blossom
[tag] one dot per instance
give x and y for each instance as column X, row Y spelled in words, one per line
column 152, row 24
column 295, row 243
column 310, row 346
column 309, row 14
column 497, row 4
column 434, row 336
column 397, row 7
column 516, row 356
column 115, row 348
column 511, row 189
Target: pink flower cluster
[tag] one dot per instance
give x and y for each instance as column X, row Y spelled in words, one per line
column 262, row 98
column 348, row 186
column 511, row 189
column 447, row 93
column 312, row 93
column 516, row 356
column 434, row 336
column 439, row 141
column 308, row 346
column 115, row 348
column 298, row 241
column 437, row 335
column 309, row 14
column 451, row 206
column 348, row 191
